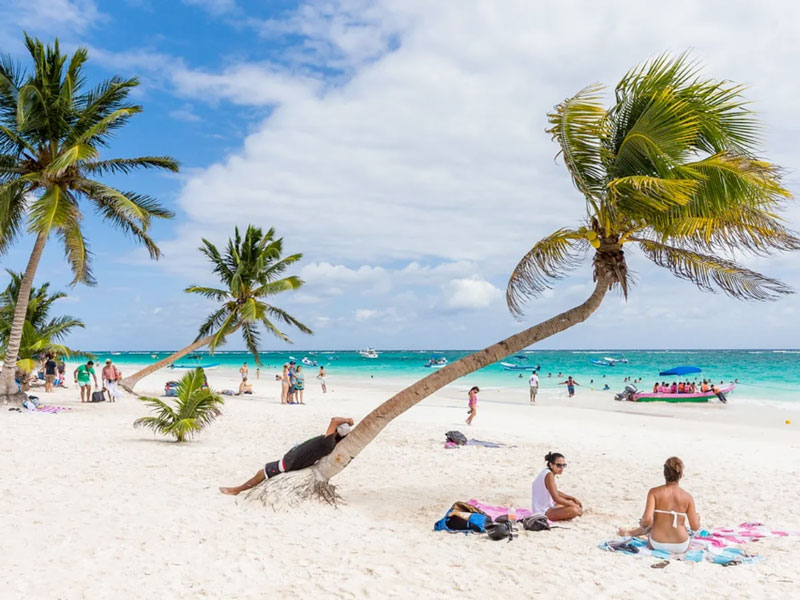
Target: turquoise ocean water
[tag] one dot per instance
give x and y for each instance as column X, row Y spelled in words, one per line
column 772, row 375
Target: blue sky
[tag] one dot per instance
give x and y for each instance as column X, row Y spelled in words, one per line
column 400, row 147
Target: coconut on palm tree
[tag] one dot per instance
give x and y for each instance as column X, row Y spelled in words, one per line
column 672, row 169
column 251, row 270
column 52, row 131
column 194, row 408
column 41, row 334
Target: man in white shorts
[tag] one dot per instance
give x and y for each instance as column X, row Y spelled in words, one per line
column 533, row 382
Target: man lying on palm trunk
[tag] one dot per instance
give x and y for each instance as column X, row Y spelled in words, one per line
column 301, row 456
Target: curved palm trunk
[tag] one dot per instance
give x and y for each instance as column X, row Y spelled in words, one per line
column 291, row 488
column 128, row 383
column 8, row 388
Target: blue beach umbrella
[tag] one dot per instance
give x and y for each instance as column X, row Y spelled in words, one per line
column 685, row 370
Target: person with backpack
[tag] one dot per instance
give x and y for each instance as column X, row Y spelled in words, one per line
column 300, row 457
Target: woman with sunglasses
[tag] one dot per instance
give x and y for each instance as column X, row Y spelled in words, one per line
column 547, row 499
column 668, row 511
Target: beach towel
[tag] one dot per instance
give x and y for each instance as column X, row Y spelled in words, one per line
column 719, row 546
column 463, row 517
column 499, row 511
column 113, row 390
column 46, row 408
column 474, row 442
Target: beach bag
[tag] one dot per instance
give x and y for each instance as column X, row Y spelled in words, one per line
column 456, row 437
column 463, row 517
column 98, row 396
column 501, row 531
column 536, row 523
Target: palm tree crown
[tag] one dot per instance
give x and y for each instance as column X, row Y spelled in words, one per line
column 195, row 407
column 672, row 167
column 51, row 133
column 251, row 270
column 41, row 334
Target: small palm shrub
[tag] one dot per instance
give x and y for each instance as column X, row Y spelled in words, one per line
column 194, row 408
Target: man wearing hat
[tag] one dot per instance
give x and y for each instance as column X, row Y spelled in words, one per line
column 300, row 457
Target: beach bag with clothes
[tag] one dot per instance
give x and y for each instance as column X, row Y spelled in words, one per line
column 463, row 517
column 456, row 437
column 536, row 523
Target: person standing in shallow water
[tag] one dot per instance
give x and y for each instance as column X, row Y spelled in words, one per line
column 570, row 383
column 473, row 403
column 321, row 377
column 533, row 383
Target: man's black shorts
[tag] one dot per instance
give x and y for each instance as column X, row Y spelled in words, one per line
column 272, row 468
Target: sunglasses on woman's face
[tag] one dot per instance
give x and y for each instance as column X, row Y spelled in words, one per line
column 561, row 465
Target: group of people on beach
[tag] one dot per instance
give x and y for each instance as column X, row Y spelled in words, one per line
column 293, row 383
column 668, row 516
column 110, row 375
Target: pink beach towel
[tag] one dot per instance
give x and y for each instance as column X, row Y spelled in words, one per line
column 46, row 408
column 498, row 511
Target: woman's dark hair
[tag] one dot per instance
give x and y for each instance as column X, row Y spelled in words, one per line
column 552, row 457
column 673, row 469
column 474, row 388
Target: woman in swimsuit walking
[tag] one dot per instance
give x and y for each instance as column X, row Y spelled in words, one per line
column 668, row 511
column 473, row 403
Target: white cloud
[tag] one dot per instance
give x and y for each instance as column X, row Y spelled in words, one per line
column 429, row 163
column 247, row 84
column 469, row 294
column 50, row 16
column 365, row 314
column 185, row 113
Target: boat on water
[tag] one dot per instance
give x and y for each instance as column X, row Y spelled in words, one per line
column 519, row 366
column 634, row 395
column 608, row 361
column 696, row 397
column 309, row 362
column 369, row 353
column 436, row 361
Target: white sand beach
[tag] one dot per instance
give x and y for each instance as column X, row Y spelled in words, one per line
column 97, row 509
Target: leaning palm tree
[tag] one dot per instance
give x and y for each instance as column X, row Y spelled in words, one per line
column 671, row 168
column 52, row 129
column 195, row 407
column 251, row 271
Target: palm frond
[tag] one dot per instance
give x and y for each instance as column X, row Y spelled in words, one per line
column 282, row 315
column 577, row 125
column 548, row 260
column 128, row 165
column 12, row 213
column 709, row 272
column 208, row 292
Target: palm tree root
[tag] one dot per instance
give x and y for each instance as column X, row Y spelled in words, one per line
column 292, row 489
column 14, row 399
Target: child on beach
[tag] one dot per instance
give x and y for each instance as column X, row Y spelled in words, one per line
column 473, row 403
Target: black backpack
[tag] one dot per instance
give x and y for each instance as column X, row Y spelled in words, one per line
column 456, row 437
column 98, row 396
column 501, row 530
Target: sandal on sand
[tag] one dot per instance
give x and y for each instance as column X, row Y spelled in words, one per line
column 659, row 565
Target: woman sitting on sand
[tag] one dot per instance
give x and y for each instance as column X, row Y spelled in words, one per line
column 547, row 499
column 668, row 510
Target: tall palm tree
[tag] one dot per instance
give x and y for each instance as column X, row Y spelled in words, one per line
column 671, row 168
column 52, row 129
column 41, row 334
column 251, row 271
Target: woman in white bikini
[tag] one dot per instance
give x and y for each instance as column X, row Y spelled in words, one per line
column 668, row 511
